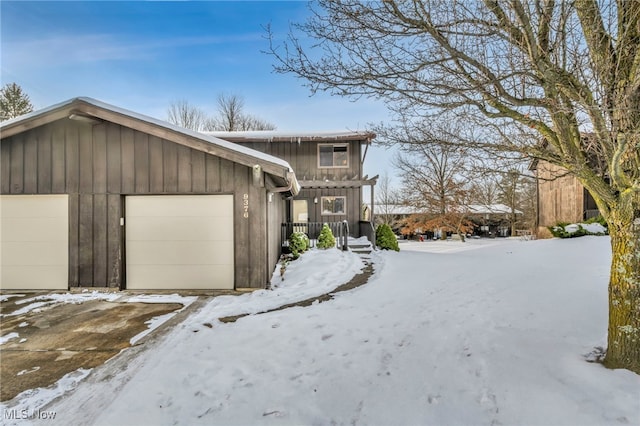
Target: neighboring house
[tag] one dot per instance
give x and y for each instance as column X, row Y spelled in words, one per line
column 490, row 220
column 97, row 196
column 561, row 197
column 329, row 167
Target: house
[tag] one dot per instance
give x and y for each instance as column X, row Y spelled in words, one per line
column 92, row 195
column 489, row 219
column 560, row 196
column 329, row 167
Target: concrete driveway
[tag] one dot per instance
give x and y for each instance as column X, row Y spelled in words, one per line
column 43, row 337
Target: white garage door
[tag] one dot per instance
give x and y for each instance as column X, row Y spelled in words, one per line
column 179, row 242
column 34, row 242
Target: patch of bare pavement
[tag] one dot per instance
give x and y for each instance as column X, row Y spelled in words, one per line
column 60, row 338
column 358, row 280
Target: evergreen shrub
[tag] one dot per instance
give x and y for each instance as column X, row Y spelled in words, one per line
column 326, row 239
column 298, row 244
column 385, row 238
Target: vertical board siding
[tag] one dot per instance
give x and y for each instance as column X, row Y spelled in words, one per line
column 257, row 222
column 72, row 159
column 30, row 165
column 5, row 165
column 184, row 169
column 58, row 154
column 85, row 240
column 44, row 159
column 114, row 240
column 100, row 159
column 127, row 152
column 99, row 240
column 170, row 164
column 198, row 171
column 141, row 162
column 16, row 168
column 114, row 159
column 243, row 242
column 74, row 240
column 156, row 165
column 85, row 146
column 213, row 174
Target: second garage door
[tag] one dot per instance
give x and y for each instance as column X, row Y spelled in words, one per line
column 179, row 242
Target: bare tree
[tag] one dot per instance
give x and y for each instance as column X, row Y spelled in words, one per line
column 517, row 191
column 435, row 179
column 387, row 200
column 516, row 72
column 232, row 117
column 183, row 114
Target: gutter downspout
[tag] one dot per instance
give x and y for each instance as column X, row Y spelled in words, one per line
column 293, row 186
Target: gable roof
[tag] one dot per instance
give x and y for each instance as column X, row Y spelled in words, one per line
column 293, row 136
column 92, row 110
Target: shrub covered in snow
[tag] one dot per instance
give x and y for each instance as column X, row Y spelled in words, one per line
column 385, row 238
column 298, row 244
column 571, row 230
column 326, row 239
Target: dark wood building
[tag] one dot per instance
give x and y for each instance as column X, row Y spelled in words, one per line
column 97, row 196
column 561, row 197
column 329, row 166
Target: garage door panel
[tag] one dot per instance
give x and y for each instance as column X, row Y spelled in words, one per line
column 32, row 229
column 32, row 253
column 34, row 206
column 34, row 239
column 195, row 228
column 35, row 277
column 158, row 205
column 169, row 277
column 179, row 242
column 176, row 253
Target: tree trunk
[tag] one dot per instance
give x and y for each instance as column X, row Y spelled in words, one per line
column 624, row 286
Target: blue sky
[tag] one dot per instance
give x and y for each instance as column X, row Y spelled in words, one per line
column 144, row 55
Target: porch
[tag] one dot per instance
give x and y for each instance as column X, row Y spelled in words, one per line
column 340, row 231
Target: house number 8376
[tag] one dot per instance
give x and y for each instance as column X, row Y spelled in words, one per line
column 245, row 206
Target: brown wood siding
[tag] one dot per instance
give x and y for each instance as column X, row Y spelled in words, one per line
column 99, row 165
column 352, row 215
column 276, row 215
column 561, row 196
column 303, row 158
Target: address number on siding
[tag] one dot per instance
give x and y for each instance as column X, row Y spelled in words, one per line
column 245, row 206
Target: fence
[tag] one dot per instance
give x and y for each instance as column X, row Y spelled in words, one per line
column 312, row 230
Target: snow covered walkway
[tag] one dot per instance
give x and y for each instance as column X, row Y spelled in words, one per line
column 446, row 333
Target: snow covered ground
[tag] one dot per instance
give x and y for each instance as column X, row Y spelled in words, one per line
column 444, row 333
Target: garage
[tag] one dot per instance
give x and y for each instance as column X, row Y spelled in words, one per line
column 179, row 242
column 34, row 246
column 143, row 204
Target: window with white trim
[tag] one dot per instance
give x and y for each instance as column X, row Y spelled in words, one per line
column 333, row 155
column 333, row 205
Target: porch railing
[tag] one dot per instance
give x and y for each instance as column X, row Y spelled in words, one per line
column 340, row 231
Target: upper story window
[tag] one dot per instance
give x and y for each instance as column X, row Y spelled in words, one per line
column 333, row 155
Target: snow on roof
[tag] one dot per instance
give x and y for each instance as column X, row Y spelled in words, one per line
column 160, row 123
column 395, row 209
column 399, row 209
column 293, row 136
column 492, row 209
